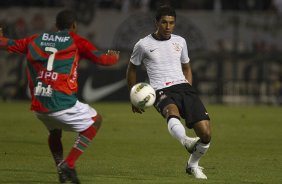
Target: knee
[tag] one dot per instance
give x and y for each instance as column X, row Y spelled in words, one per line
column 170, row 110
column 56, row 133
column 206, row 138
column 203, row 131
column 98, row 121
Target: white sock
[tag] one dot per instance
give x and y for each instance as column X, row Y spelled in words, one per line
column 195, row 157
column 176, row 129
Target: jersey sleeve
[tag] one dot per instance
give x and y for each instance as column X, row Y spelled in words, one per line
column 184, row 53
column 137, row 54
column 90, row 52
column 16, row 46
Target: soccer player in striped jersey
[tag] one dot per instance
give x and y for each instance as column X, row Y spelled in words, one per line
column 52, row 62
column 165, row 57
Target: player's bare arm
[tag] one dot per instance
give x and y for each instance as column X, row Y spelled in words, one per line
column 131, row 75
column 131, row 80
column 187, row 71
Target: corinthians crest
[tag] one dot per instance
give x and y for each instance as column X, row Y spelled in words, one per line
column 176, row 47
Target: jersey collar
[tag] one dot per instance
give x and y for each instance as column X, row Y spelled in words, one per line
column 159, row 39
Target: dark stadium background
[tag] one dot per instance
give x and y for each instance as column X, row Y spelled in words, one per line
column 234, row 45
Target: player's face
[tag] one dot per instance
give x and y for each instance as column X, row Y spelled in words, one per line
column 165, row 27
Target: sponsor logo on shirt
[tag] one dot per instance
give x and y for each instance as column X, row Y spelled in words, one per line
column 54, row 38
column 152, row 50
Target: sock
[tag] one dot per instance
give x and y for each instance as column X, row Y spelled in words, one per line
column 55, row 146
column 176, row 129
column 83, row 140
column 195, row 157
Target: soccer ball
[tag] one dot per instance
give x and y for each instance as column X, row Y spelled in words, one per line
column 142, row 95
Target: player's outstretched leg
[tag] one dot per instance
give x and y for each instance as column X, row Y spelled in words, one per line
column 82, row 142
column 55, row 145
column 177, row 130
column 56, row 148
column 203, row 130
column 192, row 166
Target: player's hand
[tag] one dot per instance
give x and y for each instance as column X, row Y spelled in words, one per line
column 113, row 53
column 137, row 110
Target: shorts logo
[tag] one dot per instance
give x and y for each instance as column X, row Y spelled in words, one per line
column 162, row 97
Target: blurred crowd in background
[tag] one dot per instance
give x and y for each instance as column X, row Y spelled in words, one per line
column 242, row 58
column 126, row 5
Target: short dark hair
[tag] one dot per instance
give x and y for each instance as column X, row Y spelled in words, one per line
column 163, row 11
column 65, row 19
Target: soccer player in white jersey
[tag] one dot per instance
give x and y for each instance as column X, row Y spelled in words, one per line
column 165, row 57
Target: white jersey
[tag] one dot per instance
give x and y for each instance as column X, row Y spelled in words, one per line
column 162, row 59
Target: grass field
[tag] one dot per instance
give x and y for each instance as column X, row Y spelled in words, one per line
column 137, row 149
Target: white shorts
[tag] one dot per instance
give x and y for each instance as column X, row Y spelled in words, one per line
column 77, row 118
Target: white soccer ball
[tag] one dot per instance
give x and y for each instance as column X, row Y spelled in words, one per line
column 142, row 95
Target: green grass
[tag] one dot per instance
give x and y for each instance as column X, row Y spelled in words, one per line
column 137, row 149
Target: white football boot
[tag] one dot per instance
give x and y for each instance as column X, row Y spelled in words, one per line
column 190, row 143
column 197, row 172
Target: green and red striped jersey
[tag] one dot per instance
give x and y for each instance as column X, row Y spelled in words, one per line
column 52, row 66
